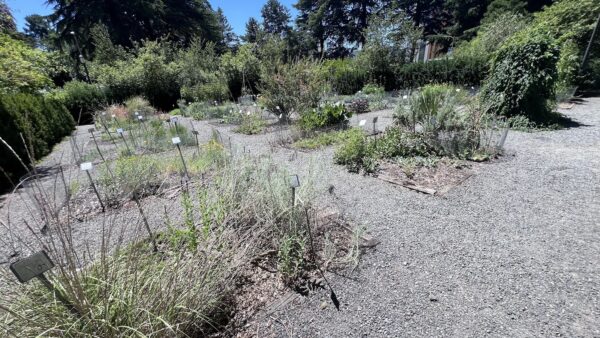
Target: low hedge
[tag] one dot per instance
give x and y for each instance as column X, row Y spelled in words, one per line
column 460, row 71
column 43, row 122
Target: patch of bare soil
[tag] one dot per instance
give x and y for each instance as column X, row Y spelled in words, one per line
column 437, row 179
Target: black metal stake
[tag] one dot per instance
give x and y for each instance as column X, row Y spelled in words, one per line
column 95, row 190
column 187, row 175
column 108, row 132
column 102, row 156
column 126, row 145
column 152, row 238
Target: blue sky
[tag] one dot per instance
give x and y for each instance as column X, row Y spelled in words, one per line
column 237, row 11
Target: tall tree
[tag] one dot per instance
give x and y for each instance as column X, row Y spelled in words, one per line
column 229, row 39
column 466, row 16
column 7, row 21
column 136, row 20
column 431, row 15
column 253, row 31
column 40, row 31
column 276, row 18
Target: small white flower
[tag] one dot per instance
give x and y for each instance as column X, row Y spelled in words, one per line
column 277, row 108
column 472, row 88
column 405, row 97
column 248, row 113
column 457, row 90
column 113, row 116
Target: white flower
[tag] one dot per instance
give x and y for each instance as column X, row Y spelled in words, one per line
column 405, row 97
column 113, row 116
column 472, row 88
column 248, row 113
column 457, row 90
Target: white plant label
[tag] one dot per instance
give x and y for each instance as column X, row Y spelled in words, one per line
column 362, row 123
column 176, row 140
column 86, row 166
column 120, row 130
column 174, row 119
column 140, row 117
column 294, row 181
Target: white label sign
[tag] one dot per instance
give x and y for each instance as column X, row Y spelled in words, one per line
column 176, row 140
column 174, row 119
column 362, row 123
column 120, row 130
column 294, row 181
column 140, row 117
column 86, row 166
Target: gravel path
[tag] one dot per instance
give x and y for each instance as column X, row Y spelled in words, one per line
column 513, row 251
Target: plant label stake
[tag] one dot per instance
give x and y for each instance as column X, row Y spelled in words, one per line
column 92, row 130
column 500, row 144
column 176, row 141
column 87, row 166
column 195, row 132
column 375, row 119
column 174, row 120
column 34, row 266
column 121, row 132
column 294, row 183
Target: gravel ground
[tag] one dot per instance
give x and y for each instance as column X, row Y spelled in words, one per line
column 513, row 251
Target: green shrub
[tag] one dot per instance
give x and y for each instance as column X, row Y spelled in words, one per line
column 43, row 121
column 133, row 175
column 343, row 76
column 523, row 81
column 140, row 105
column 353, row 152
column 372, row 89
column 83, row 99
column 295, row 86
column 216, row 90
column 23, row 68
column 465, row 71
column 323, row 139
column 324, row 116
column 150, row 71
column 569, row 25
column 251, row 124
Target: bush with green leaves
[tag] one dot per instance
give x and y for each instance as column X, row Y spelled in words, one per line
column 464, row 70
column 251, row 124
column 42, row 121
column 150, row 71
column 326, row 115
column 23, row 68
column 140, row 105
column 343, row 76
column 523, row 81
column 82, row 99
column 567, row 24
column 291, row 87
column 372, row 89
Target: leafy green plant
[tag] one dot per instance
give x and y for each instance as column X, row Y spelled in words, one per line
column 42, row 121
column 82, row 99
column 323, row 139
column 343, row 76
column 140, row 105
column 251, row 124
column 324, row 116
column 291, row 87
column 464, row 70
column 130, row 176
column 291, row 255
column 372, row 89
column 523, row 81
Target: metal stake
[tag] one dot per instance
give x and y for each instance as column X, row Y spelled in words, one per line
column 152, row 238
column 187, row 175
column 95, row 189
column 100, row 153
column 58, row 294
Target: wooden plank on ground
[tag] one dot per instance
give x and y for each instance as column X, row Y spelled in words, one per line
column 407, row 185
